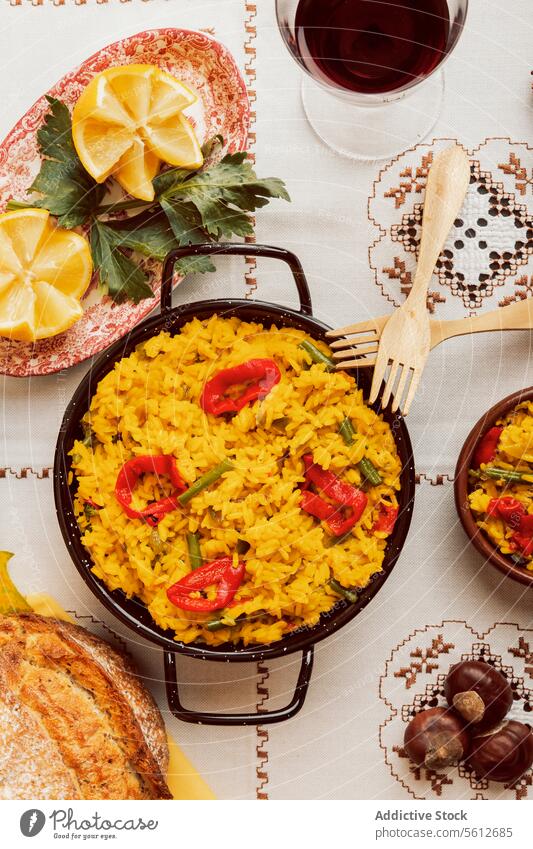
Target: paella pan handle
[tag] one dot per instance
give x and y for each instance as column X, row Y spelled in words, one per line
column 259, row 718
column 231, row 249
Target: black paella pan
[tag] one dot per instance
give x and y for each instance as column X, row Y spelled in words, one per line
column 131, row 611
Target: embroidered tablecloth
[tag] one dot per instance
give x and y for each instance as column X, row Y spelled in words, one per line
column 355, row 228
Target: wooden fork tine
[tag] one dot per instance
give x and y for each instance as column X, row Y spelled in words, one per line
column 415, row 380
column 352, row 341
column 361, row 362
column 359, row 351
column 395, row 365
column 378, row 377
column 352, row 329
column 400, row 390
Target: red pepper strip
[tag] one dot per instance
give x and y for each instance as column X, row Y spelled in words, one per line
column 386, row 518
column 509, row 509
column 331, row 485
column 260, row 375
column 339, row 526
column 514, row 515
column 316, row 506
column 526, row 524
column 337, row 523
column 486, row 447
column 131, row 471
column 220, row 572
column 523, row 543
column 342, row 493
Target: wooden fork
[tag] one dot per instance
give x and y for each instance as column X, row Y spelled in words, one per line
column 361, row 340
column 405, row 339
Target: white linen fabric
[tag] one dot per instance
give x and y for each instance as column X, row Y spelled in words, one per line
column 337, row 746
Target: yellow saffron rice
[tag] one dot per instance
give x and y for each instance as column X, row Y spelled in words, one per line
column 514, row 453
column 149, row 404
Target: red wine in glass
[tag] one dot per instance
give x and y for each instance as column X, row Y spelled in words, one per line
column 370, row 46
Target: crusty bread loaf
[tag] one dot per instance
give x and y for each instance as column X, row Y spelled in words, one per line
column 75, row 722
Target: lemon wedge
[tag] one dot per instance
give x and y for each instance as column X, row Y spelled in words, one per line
column 44, row 271
column 128, row 120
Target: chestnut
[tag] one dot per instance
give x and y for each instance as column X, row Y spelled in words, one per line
column 503, row 754
column 436, row 738
column 479, row 693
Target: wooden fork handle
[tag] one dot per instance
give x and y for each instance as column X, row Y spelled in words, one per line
column 447, row 184
column 517, row 316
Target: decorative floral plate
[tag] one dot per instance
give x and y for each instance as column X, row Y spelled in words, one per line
column 204, row 65
column 414, row 681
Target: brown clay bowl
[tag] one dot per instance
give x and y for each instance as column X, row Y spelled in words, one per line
column 478, row 538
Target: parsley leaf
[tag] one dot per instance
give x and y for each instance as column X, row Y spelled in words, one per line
column 148, row 234
column 185, row 221
column 167, row 180
column 186, row 227
column 152, row 235
column 55, row 135
column 224, row 194
column 67, row 190
column 122, row 277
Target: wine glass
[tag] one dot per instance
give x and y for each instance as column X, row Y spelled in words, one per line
column 373, row 84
